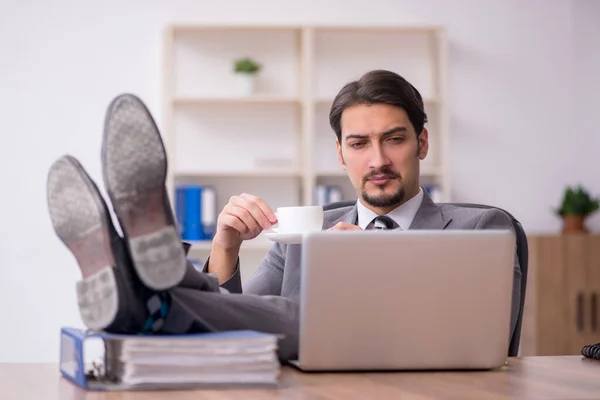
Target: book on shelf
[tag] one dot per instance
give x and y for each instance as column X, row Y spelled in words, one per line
column 145, row 362
column 196, row 211
column 326, row 194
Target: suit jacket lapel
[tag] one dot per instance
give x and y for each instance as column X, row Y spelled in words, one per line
column 429, row 215
column 350, row 217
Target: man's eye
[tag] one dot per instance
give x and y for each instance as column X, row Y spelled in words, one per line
column 397, row 139
column 356, row 144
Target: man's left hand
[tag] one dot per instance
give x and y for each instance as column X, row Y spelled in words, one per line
column 344, row 226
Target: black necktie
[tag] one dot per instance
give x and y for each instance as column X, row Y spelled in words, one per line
column 383, row 222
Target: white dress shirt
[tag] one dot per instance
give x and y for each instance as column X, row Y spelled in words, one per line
column 403, row 215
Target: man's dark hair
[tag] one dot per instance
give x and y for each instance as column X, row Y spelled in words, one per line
column 379, row 87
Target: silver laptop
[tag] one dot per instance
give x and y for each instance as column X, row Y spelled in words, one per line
column 405, row 300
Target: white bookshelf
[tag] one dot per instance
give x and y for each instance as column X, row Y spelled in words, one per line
column 277, row 143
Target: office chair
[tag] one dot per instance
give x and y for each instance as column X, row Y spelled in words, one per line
column 522, row 256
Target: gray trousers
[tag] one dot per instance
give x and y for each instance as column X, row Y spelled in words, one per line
column 199, row 304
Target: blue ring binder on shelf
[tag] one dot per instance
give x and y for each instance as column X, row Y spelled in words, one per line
column 196, row 212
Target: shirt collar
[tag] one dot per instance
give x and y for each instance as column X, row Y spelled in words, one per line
column 403, row 215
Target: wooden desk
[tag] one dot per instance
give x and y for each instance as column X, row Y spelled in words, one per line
column 531, row 377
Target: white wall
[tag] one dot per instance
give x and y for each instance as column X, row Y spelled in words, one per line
column 586, row 100
column 512, row 75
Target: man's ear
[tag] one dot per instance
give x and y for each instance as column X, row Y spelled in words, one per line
column 340, row 155
column 423, row 144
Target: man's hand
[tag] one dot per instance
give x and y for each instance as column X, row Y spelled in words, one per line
column 243, row 218
column 344, row 226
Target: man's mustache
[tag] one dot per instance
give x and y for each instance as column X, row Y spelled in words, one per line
column 383, row 171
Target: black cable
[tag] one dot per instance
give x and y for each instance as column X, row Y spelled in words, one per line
column 591, row 351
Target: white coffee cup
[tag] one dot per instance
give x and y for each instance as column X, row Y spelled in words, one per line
column 300, row 219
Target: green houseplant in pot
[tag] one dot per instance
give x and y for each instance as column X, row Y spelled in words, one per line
column 245, row 70
column 576, row 206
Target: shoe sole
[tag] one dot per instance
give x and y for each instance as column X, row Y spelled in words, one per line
column 135, row 169
column 79, row 217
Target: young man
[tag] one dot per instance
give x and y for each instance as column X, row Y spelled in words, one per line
column 142, row 282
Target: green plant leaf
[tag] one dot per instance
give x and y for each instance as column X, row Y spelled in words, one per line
column 246, row 65
column 577, row 201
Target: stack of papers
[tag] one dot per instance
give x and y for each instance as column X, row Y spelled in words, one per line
column 225, row 358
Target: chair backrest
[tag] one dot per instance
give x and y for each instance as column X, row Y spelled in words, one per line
column 522, row 256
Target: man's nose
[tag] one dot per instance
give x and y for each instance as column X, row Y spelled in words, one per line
column 378, row 157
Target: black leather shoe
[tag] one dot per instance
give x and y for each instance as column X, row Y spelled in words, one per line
column 110, row 296
column 134, row 165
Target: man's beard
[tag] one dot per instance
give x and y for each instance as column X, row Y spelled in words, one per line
column 384, row 200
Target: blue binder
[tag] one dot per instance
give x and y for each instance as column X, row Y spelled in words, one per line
column 196, row 212
column 72, row 358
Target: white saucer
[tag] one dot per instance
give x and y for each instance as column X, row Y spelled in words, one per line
column 284, row 238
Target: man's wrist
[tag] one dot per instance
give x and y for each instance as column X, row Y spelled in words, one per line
column 223, row 261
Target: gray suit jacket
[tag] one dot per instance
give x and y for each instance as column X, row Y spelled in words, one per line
column 279, row 272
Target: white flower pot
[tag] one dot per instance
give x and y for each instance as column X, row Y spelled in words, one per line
column 245, row 83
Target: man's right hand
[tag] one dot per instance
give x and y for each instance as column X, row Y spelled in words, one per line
column 243, row 218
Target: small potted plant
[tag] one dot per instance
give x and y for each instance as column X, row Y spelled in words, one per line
column 576, row 206
column 245, row 70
